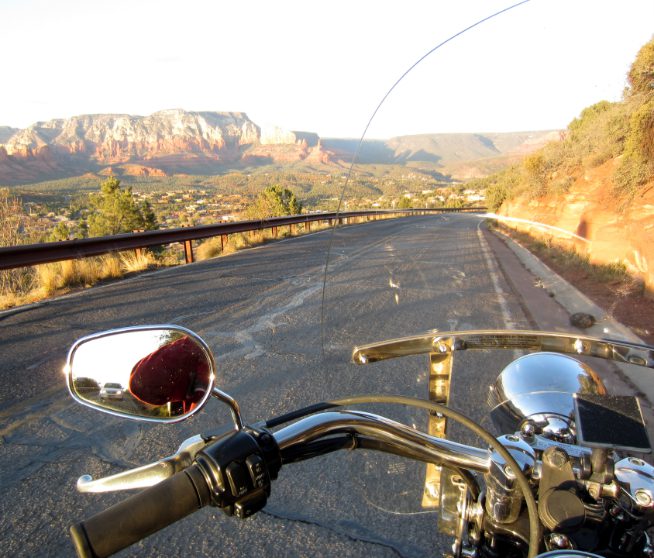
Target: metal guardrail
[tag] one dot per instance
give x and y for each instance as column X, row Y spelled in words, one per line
column 35, row 254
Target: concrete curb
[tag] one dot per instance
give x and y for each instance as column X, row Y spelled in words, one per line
column 574, row 301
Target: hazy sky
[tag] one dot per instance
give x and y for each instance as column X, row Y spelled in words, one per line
column 320, row 66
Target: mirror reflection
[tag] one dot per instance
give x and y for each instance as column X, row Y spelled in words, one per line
column 158, row 374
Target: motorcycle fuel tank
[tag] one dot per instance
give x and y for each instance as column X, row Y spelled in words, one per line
column 539, row 387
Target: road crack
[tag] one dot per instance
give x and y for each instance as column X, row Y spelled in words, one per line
column 340, row 532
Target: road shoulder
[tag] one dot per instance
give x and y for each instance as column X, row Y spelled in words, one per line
column 548, row 301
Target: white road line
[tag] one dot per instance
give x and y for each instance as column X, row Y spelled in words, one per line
column 494, row 274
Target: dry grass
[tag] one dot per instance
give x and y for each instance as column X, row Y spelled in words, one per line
column 61, row 276
column 570, row 259
column 136, row 261
column 213, row 247
column 57, row 278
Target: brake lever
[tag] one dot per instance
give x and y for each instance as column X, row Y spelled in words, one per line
column 148, row 475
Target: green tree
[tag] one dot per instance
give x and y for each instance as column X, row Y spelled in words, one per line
column 149, row 218
column 404, row 203
column 60, row 232
column 274, row 201
column 114, row 210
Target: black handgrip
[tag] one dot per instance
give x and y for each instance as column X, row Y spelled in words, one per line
column 141, row 515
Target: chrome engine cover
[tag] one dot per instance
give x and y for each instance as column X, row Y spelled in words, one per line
column 539, row 387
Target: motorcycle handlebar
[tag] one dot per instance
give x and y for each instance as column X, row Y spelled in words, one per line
column 232, row 455
column 141, row 515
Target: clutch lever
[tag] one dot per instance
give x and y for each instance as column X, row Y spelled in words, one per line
column 148, row 475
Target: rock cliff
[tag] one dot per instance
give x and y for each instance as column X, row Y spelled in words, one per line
column 605, row 232
column 165, row 142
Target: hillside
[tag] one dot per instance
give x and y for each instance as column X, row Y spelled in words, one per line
column 597, row 184
column 174, row 142
column 444, row 149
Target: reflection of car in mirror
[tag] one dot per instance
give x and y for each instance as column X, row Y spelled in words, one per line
column 111, row 390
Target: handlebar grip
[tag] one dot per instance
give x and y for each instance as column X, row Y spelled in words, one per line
column 141, row 515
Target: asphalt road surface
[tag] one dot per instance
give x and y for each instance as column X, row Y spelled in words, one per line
column 260, row 312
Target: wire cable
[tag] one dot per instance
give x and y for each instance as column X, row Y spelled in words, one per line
column 534, row 521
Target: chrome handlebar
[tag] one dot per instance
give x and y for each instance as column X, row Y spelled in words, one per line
column 633, row 476
column 429, row 448
column 418, row 444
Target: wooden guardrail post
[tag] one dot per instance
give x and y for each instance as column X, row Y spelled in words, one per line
column 224, row 239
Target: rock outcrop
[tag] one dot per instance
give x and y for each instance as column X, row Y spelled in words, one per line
column 165, row 142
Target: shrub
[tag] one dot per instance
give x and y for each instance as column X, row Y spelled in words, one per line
column 637, row 166
column 641, row 74
column 13, row 222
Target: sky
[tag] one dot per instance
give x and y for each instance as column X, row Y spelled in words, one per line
column 321, row 66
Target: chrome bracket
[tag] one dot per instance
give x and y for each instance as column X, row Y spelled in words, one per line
column 440, row 375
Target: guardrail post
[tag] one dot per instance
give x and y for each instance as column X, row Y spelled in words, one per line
column 188, row 251
column 274, row 231
column 224, row 239
column 138, row 252
column 292, row 229
column 308, row 226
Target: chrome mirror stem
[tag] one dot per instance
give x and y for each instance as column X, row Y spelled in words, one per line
column 232, row 404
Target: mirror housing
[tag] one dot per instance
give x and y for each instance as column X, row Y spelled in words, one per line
column 159, row 373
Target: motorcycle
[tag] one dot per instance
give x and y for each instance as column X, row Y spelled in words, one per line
column 562, row 478
column 562, row 474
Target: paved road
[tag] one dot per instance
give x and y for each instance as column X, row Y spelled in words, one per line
column 260, row 312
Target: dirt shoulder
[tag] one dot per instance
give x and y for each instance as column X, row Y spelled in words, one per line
column 621, row 296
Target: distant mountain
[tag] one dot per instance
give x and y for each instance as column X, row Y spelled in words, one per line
column 177, row 141
column 444, row 149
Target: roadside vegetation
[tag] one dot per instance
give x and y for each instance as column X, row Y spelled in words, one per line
column 562, row 258
column 112, row 210
column 603, row 131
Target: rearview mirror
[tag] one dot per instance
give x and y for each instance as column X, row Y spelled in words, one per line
column 154, row 373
